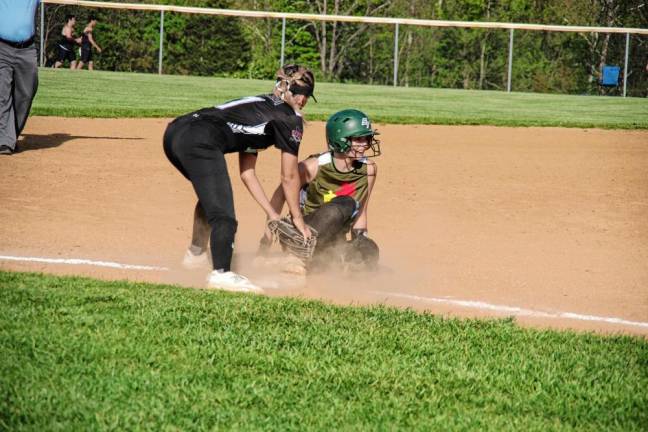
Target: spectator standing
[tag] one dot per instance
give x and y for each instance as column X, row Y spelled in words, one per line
column 18, row 69
column 67, row 43
column 87, row 43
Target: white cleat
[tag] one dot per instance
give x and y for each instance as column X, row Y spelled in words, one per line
column 230, row 281
column 192, row 262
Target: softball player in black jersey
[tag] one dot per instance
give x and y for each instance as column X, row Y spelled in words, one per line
column 196, row 143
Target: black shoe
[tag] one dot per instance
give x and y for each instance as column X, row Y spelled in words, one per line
column 6, row 150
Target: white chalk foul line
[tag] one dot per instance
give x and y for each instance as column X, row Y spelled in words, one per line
column 78, row 261
column 511, row 310
column 516, row 311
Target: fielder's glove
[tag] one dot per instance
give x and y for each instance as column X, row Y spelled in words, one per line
column 285, row 232
column 362, row 253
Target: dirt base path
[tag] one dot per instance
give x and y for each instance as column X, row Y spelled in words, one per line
column 471, row 221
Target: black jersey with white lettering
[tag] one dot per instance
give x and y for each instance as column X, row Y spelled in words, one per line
column 255, row 123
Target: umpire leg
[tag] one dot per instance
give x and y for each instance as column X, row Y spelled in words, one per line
column 25, row 85
column 7, row 115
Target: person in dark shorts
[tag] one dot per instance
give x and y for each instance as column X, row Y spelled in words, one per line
column 67, row 44
column 87, row 43
column 196, row 143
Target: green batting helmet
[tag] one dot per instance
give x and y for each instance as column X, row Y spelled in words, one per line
column 347, row 124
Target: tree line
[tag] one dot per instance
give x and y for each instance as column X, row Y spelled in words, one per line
column 208, row 45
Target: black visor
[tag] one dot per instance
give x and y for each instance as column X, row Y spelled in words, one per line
column 303, row 90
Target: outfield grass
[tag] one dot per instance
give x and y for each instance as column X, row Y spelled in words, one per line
column 111, row 94
column 79, row 354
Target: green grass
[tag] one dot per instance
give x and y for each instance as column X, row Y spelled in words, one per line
column 80, row 354
column 112, row 94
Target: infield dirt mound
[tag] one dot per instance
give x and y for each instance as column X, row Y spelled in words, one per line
column 540, row 218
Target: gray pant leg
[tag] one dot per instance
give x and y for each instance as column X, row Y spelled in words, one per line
column 7, row 118
column 25, row 85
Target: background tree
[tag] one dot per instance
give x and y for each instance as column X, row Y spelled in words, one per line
column 356, row 52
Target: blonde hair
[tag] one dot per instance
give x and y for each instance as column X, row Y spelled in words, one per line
column 293, row 74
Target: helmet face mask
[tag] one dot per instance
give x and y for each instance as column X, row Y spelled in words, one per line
column 347, row 124
column 371, row 144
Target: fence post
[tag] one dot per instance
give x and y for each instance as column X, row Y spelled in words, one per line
column 625, row 66
column 42, row 36
column 161, row 53
column 510, row 62
column 283, row 39
column 396, row 56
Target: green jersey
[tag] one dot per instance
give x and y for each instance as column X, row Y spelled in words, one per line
column 330, row 183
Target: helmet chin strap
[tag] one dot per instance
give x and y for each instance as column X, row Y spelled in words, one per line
column 355, row 154
column 351, row 153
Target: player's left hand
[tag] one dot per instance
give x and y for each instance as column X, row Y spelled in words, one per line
column 303, row 228
column 292, row 238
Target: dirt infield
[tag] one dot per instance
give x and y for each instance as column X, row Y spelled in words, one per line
column 472, row 221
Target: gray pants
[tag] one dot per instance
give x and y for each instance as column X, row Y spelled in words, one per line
column 18, row 84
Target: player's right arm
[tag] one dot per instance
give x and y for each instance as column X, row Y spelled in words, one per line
column 290, row 183
column 307, row 172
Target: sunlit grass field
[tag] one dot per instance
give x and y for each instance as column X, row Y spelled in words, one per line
column 80, row 354
column 111, row 94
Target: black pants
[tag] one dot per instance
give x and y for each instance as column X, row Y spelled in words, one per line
column 331, row 221
column 193, row 147
column 86, row 54
column 65, row 52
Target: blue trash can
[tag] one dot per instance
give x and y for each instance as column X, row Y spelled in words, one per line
column 610, row 76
